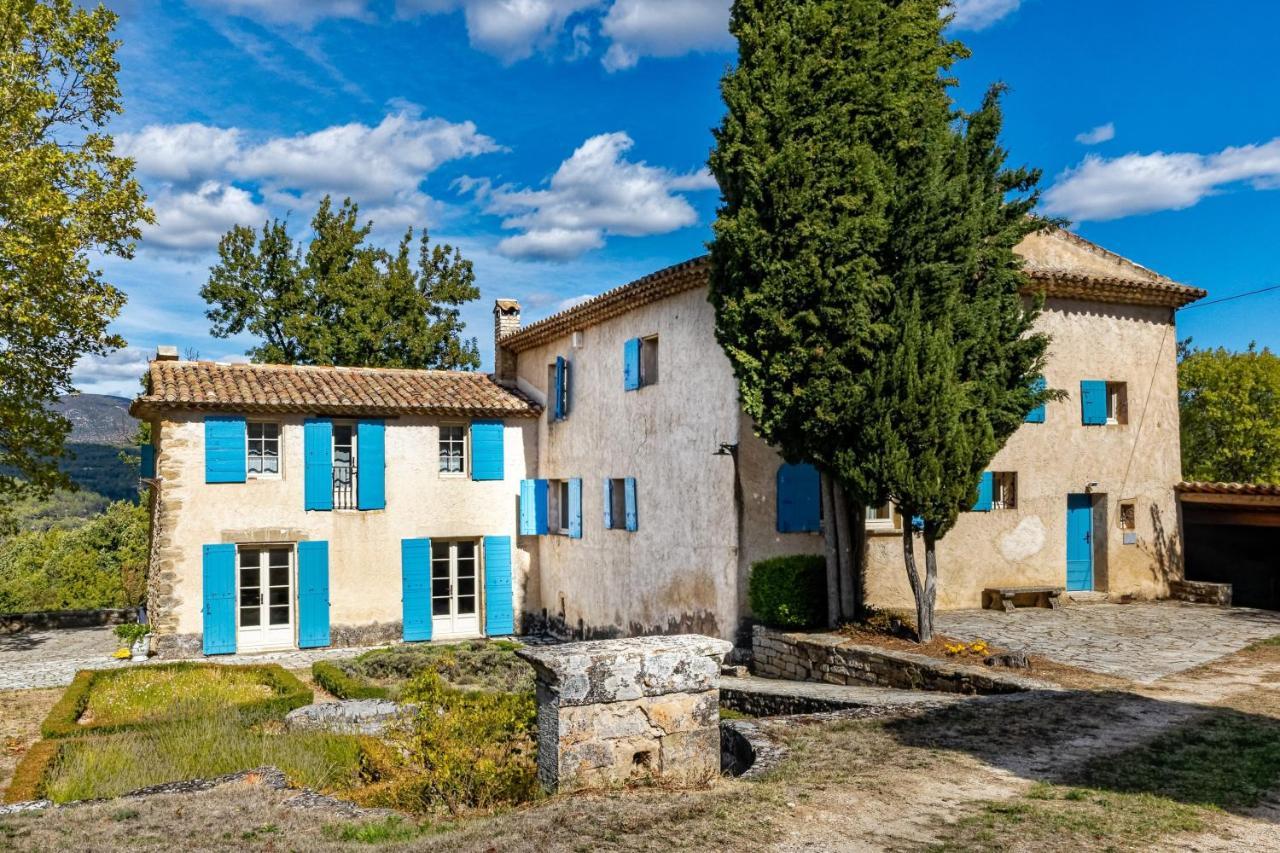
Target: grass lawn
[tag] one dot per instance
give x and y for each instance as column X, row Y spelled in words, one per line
column 148, row 693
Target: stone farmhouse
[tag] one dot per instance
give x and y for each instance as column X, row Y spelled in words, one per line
column 604, row 481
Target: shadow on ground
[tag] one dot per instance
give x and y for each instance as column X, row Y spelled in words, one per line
column 22, row 642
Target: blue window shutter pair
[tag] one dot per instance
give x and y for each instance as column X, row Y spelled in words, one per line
column 631, row 365
column 147, row 462
column 986, row 489
column 219, row 577
column 313, row 594
column 317, row 454
column 575, row 509
column 533, row 507
column 1093, row 402
column 560, row 404
column 486, row 451
column 799, row 496
column 499, row 615
column 371, row 465
column 225, row 449
column 1036, row 415
column 415, row 588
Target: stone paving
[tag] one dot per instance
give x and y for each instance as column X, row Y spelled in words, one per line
column 852, row 696
column 1143, row 642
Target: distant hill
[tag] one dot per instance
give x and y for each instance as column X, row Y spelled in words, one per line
column 98, row 419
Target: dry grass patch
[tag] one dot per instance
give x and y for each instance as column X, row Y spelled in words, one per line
column 20, row 714
column 150, row 693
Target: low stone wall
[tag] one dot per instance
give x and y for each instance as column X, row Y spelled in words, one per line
column 46, row 620
column 1201, row 592
column 614, row 711
column 776, row 704
column 171, row 646
column 837, row 660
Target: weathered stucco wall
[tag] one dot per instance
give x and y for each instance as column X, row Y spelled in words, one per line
column 678, row 571
column 364, row 546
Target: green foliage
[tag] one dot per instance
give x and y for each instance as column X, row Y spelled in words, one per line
column 483, row 664
column 1229, row 403
column 339, row 300
column 199, row 748
column 465, row 750
column 102, row 563
column 388, row 830
column 67, row 199
column 122, row 699
column 130, row 632
column 789, row 592
column 62, row 509
column 345, row 685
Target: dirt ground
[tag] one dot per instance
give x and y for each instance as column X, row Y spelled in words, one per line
column 907, row 784
column 21, row 712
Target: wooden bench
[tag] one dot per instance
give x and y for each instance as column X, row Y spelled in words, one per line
column 1046, row 596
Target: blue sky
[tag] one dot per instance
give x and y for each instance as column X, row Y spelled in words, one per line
column 562, row 143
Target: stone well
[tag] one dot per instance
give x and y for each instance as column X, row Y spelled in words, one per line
column 617, row 710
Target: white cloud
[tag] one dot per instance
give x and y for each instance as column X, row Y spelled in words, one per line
column 1100, row 189
column 664, row 28
column 980, row 14
column 302, row 12
column 193, row 220
column 115, row 373
column 180, row 152
column 508, row 29
column 593, row 194
column 1101, row 133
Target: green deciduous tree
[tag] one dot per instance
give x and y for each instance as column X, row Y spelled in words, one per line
column 338, row 300
column 64, row 198
column 1230, row 408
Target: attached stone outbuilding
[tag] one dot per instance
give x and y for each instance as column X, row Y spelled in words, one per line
column 1231, row 533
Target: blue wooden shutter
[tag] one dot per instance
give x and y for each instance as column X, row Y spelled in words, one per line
column 986, row 488
column 558, row 407
column 415, row 588
column 499, row 613
column 371, row 465
column 219, row 599
column 1036, row 415
column 533, row 507
column 1093, row 402
column 486, row 450
column 313, row 594
column 225, row 449
column 608, row 504
column 317, row 452
column 147, row 462
column 631, row 364
column 526, row 508
column 629, row 492
column 541, row 495
column 575, row 509
column 799, row 499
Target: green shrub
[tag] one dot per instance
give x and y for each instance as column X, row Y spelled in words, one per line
column 789, row 592
column 29, row 775
column 130, row 632
column 464, row 750
column 344, row 684
column 482, row 664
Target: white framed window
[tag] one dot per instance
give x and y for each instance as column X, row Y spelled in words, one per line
column 1117, row 403
column 1004, row 490
column 882, row 517
column 649, row 361
column 453, row 450
column 344, row 466
column 558, row 507
column 263, row 449
column 617, row 504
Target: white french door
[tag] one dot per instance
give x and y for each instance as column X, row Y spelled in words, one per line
column 455, row 601
column 264, row 580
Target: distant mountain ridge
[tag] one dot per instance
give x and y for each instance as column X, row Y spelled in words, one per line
column 98, row 419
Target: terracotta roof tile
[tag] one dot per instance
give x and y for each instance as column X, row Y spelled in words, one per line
column 1203, row 488
column 213, row 386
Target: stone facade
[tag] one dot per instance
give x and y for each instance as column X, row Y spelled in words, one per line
column 1201, row 592
column 615, row 711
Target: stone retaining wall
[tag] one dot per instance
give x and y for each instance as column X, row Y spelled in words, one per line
column 45, row 620
column 837, row 660
column 1201, row 592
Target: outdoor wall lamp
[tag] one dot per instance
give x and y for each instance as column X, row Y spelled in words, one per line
column 726, row 450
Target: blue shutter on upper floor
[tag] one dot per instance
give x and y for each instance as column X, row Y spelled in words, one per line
column 608, row 503
column 147, row 461
column 225, row 449
column 631, row 364
column 558, row 403
column 533, row 507
column 986, row 489
column 1036, row 415
column 317, row 453
column 219, row 577
column 486, row 451
column 499, row 611
column 629, row 495
column 575, row 509
column 1093, row 402
column 313, row 594
column 371, row 473
column 799, row 499
column 415, row 588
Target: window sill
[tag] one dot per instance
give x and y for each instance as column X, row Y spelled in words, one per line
column 883, row 530
column 266, row 477
column 453, row 475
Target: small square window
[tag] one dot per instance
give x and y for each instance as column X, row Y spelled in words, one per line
column 263, row 448
column 1128, row 518
column 453, row 449
column 649, row 361
column 1117, row 403
column 558, row 506
column 881, row 516
column 1004, row 490
column 617, row 504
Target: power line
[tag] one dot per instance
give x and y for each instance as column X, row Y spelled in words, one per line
column 1229, row 298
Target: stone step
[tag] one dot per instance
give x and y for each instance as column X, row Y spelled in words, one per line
column 774, row 697
column 1086, row 597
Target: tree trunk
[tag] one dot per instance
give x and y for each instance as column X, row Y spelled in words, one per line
column 845, row 537
column 831, row 542
column 858, row 566
column 925, row 609
column 913, row 577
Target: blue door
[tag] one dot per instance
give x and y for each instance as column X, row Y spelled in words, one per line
column 1079, row 543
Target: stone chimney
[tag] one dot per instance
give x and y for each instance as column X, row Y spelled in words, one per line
column 506, row 320
column 166, row 352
